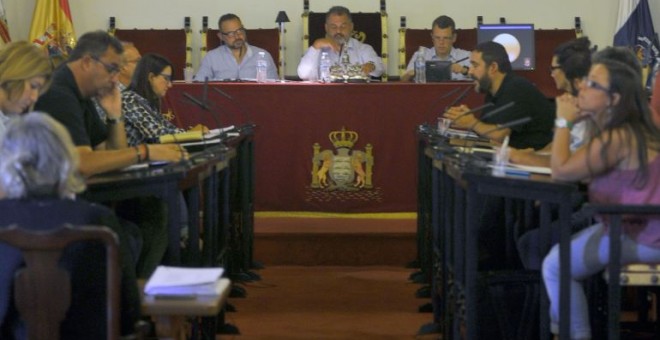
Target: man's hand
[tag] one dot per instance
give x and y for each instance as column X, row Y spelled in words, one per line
column 368, row 67
column 408, row 75
column 460, row 119
column 457, row 68
column 325, row 42
column 110, row 100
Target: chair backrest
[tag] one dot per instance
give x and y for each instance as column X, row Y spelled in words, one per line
column 266, row 38
column 42, row 289
column 369, row 28
column 174, row 44
column 616, row 215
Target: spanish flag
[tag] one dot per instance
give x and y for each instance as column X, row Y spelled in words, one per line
column 52, row 27
column 4, row 28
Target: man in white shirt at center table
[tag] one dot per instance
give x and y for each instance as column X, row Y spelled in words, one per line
column 235, row 59
column 338, row 29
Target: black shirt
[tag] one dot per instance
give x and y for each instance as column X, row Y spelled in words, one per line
column 529, row 102
column 64, row 102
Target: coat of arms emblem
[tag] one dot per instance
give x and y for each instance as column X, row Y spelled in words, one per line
column 347, row 169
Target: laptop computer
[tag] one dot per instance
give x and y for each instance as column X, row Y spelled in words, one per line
column 438, row 71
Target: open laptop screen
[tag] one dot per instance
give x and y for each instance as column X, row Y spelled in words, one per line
column 438, row 71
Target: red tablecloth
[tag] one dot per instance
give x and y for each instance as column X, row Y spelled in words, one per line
column 292, row 117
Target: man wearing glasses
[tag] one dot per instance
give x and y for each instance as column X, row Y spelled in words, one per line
column 338, row 30
column 234, row 59
column 443, row 36
column 92, row 70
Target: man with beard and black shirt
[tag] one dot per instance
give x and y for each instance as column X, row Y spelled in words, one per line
column 235, row 58
column 491, row 70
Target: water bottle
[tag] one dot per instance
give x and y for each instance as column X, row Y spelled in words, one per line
column 262, row 68
column 420, row 67
column 324, row 66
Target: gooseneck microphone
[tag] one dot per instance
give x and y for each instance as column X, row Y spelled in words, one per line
column 513, row 123
column 459, row 98
column 497, row 110
column 479, row 108
column 246, row 115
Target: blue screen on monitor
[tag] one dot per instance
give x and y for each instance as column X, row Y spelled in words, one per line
column 517, row 39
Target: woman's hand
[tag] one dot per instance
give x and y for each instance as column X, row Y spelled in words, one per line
column 567, row 107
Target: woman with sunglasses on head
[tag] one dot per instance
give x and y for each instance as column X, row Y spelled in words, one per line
column 621, row 163
column 141, row 101
column 24, row 75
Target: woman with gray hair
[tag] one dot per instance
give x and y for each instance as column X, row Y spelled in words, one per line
column 38, row 183
column 37, row 158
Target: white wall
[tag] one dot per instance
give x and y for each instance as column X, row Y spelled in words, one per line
column 598, row 16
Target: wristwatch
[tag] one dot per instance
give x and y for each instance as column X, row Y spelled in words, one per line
column 465, row 70
column 113, row 121
column 562, row 123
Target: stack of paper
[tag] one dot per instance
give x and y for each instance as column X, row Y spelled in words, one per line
column 190, row 136
column 179, row 281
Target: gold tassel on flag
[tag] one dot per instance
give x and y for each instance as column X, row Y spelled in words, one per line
column 52, row 27
column 4, row 28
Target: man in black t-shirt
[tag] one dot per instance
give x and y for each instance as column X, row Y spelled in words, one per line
column 491, row 70
column 92, row 70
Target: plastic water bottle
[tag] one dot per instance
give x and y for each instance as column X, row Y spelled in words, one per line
column 420, row 67
column 262, row 68
column 324, row 66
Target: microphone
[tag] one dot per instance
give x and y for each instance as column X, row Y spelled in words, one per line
column 496, row 111
column 205, row 90
column 447, row 94
column 243, row 112
column 195, row 101
column 513, row 123
column 479, row 108
column 459, row 98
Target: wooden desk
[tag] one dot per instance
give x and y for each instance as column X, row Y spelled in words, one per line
column 292, row 117
column 457, row 188
column 170, row 314
column 167, row 183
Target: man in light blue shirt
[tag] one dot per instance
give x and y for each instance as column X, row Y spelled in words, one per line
column 443, row 35
column 338, row 29
column 235, row 58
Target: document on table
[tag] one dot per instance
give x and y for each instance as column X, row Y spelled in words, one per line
column 196, row 135
column 179, row 281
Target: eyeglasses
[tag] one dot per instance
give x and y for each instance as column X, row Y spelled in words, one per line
column 594, row 85
column 167, row 77
column 112, row 69
column 234, row 34
column 554, row 67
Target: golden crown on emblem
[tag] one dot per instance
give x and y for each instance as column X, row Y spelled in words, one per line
column 343, row 138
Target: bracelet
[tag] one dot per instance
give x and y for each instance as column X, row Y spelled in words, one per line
column 146, row 153
column 138, row 155
column 114, row 121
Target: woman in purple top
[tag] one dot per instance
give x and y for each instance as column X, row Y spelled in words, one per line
column 622, row 165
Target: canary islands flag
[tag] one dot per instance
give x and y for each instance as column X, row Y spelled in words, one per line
column 4, row 28
column 635, row 29
column 52, row 27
